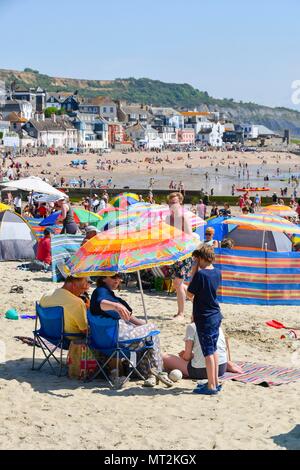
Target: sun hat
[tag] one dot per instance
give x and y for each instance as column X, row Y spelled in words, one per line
column 91, row 228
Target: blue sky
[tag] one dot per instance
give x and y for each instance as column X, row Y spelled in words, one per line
column 242, row 50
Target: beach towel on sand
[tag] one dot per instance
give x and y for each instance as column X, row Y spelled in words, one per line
column 262, row 374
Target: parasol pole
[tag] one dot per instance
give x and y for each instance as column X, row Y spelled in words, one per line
column 263, row 240
column 142, row 294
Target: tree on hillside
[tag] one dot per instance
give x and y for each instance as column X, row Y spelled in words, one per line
column 53, row 110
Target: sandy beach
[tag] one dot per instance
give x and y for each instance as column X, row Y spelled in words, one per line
column 135, row 169
column 41, row 411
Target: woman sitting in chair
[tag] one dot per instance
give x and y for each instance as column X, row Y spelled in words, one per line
column 104, row 302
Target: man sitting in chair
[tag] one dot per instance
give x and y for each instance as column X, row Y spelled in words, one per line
column 68, row 297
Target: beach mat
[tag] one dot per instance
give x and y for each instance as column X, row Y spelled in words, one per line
column 262, row 374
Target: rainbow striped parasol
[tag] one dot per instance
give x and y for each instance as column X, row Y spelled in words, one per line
column 80, row 216
column 145, row 213
column 262, row 222
column 120, row 250
column 124, row 199
column 4, row 207
column 283, row 211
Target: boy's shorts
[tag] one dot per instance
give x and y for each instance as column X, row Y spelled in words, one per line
column 208, row 340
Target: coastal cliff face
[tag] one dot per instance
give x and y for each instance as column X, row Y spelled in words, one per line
column 158, row 93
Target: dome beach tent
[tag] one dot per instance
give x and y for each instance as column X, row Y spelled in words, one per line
column 248, row 239
column 17, row 240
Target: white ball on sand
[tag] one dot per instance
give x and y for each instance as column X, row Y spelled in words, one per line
column 175, row 375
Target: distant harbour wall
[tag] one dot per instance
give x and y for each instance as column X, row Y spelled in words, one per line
column 160, row 195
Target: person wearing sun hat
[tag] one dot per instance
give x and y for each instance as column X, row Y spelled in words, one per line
column 90, row 232
column 105, row 303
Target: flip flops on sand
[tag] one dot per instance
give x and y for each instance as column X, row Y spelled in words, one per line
column 16, row 290
column 201, row 385
column 150, row 382
column 162, row 377
column 205, row 391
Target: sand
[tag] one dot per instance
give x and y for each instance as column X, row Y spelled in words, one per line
column 41, row 411
column 136, row 172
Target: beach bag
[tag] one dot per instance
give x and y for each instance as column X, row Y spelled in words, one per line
column 168, row 285
column 81, row 361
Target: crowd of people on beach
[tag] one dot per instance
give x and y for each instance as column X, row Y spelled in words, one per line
column 194, row 278
column 206, row 354
column 204, row 340
column 230, row 166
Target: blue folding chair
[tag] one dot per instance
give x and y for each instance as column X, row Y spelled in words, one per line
column 103, row 336
column 51, row 331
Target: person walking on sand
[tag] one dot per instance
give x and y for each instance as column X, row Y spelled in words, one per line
column 67, row 217
column 201, row 209
column 207, row 314
column 180, row 269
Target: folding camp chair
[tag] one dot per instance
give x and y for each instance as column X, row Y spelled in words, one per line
column 103, row 336
column 51, row 331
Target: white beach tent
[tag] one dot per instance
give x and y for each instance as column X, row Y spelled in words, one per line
column 35, row 184
column 17, row 240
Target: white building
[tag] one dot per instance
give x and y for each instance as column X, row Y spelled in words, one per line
column 168, row 135
column 211, row 134
column 23, row 108
column 250, row 131
column 168, row 116
column 93, row 132
column 52, row 132
column 54, row 101
column 11, row 139
column 145, row 136
column 100, row 106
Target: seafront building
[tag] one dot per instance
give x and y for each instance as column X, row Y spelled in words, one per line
column 73, row 122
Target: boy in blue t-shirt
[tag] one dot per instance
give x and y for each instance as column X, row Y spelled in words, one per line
column 207, row 314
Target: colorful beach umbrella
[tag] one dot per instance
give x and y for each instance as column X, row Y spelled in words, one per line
column 81, row 216
column 144, row 214
column 124, row 199
column 107, row 210
column 4, row 207
column 118, row 250
column 35, row 184
column 283, row 211
column 261, row 222
column 125, row 250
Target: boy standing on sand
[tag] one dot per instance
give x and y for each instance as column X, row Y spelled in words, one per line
column 207, row 314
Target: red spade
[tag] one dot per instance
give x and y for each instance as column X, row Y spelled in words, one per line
column 276, row 324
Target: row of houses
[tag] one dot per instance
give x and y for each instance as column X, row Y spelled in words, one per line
column 101, row 123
